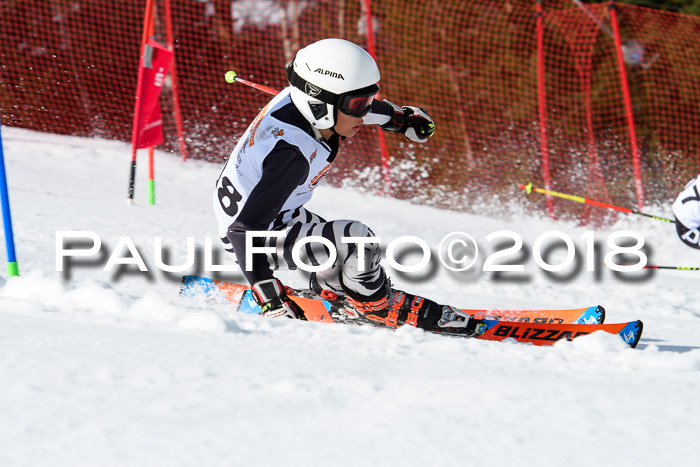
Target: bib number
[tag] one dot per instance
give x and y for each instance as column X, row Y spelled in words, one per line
column 229, row 197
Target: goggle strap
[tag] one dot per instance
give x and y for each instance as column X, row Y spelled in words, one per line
column 310, row 89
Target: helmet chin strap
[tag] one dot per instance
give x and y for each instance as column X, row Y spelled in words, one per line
column 337, row 134
column 335, row 121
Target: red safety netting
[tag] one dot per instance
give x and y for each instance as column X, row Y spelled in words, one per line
column 517, row 97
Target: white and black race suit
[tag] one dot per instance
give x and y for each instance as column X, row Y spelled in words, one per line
column 268, row 178
column 686, row 208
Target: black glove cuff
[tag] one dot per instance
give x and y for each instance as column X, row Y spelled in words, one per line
column 267, row 290
column 398, row 119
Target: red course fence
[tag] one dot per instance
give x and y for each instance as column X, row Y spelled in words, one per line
column 521, row 91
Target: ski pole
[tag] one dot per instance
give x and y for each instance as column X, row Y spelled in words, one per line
column 232, row 77
column 529, row 189
column 678, row 268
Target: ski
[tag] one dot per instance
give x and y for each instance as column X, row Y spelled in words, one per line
column 538, row 327
column 231, row 292
column 547, row 334
column 537, row 333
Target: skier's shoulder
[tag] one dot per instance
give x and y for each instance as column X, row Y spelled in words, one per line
column 280, row 119
column 287, row 114
column 285, row 126
column 282, row 114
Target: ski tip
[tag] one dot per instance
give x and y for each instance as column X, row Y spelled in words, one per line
column 600, row 312
column 184, row 285
column 632, row 333
column 188, row 286
column 638, row 334
column 193, row 286
column 592, row 315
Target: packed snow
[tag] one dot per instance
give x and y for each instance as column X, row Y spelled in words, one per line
column 113, row 368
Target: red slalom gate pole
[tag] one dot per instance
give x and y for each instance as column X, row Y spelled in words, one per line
column 382, row 141
column 151, row 178
column 628, row 105
column 147, row 28
column 542, row 106
column 179, row 125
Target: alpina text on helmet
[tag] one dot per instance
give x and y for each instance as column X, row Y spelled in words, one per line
column 332, row 74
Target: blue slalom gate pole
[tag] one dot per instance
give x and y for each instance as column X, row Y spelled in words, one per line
column 12, row 269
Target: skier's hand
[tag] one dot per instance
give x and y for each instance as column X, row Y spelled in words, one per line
column 418, row 125
column 413, row 122
column 272, row 297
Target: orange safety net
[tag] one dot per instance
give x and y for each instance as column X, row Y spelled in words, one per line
column 70, row 67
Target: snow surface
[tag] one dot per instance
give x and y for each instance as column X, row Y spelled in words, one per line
column 114, row 369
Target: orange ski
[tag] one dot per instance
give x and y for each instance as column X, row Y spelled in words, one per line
column 231, row 292
column 548, row 334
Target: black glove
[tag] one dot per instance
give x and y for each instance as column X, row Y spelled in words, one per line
column 419, row 126
column 413, row 122
column 272, row 297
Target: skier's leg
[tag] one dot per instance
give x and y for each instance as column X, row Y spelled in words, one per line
column 357, row 275
column 356, row 269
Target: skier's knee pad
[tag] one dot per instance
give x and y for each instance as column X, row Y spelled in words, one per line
column 372, row 251
column 357, row 229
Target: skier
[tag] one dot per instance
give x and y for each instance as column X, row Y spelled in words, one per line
column 686, row 208
column 284, row 154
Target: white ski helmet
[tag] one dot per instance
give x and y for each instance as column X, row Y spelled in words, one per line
column 331, row 75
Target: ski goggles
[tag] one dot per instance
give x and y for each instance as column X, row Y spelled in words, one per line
column 355, row 103
column 358, row 103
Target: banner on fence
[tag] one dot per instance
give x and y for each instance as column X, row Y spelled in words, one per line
column 153, row 70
